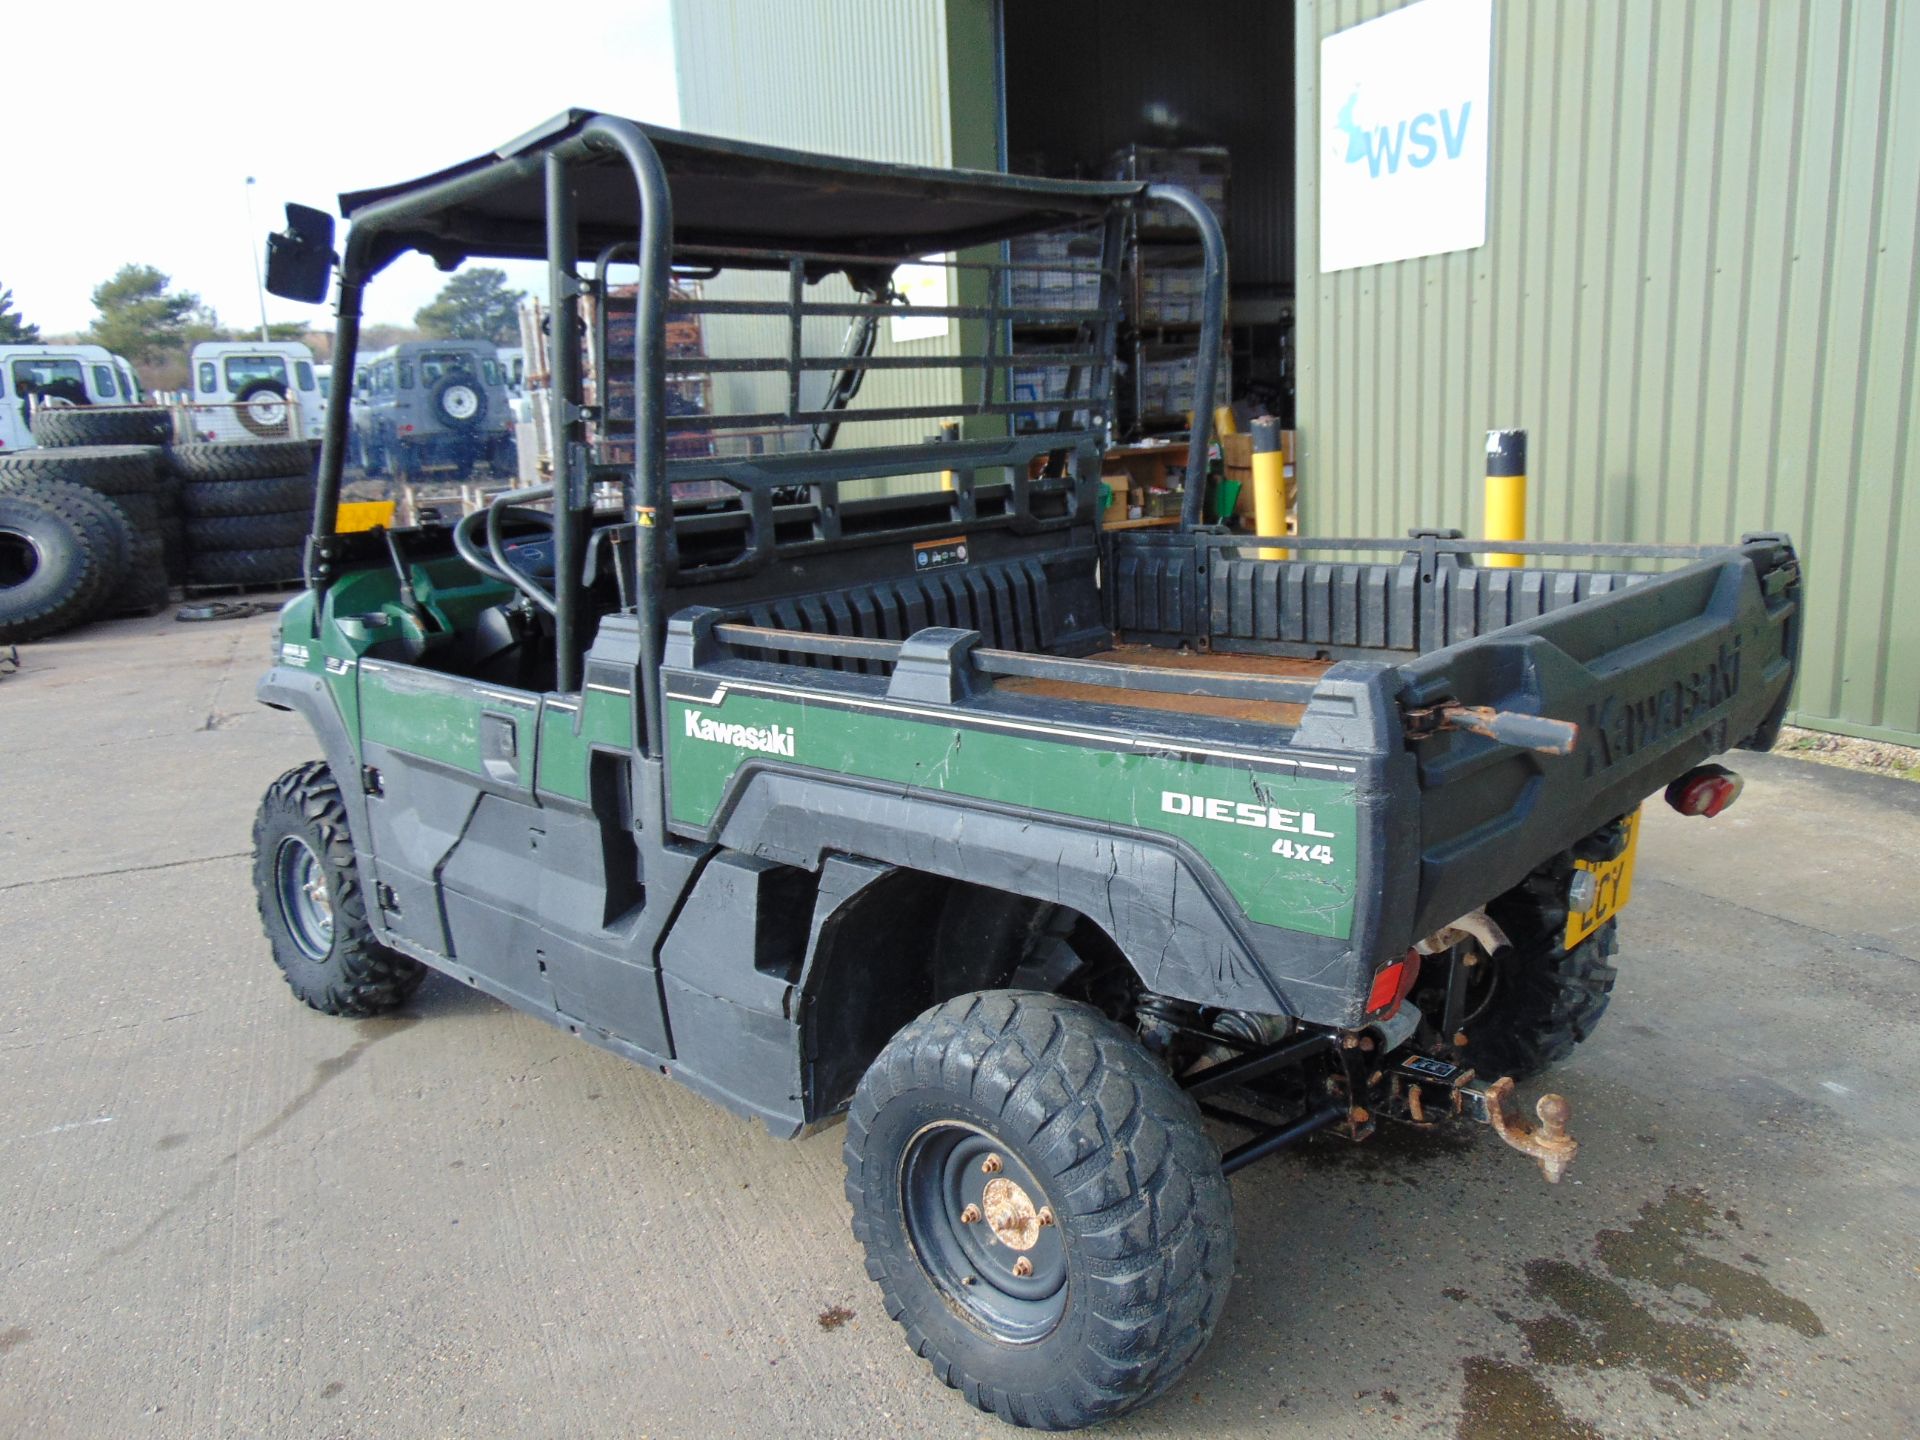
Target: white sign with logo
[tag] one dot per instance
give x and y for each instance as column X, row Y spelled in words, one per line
column 1403, row 134
column 921, row 285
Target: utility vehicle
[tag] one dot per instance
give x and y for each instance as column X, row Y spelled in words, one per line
column 424, row 403
column 925, row 803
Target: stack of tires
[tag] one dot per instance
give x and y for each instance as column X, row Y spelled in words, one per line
column 248, row 508
column 100, row 470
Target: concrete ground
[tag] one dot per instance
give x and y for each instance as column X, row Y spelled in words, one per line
column 222, row 1214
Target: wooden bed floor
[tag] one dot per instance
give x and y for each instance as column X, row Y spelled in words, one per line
column 1262, row 712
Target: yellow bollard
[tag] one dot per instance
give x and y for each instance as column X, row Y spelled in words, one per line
column 1223, row 422
column 1506, row 493
column 1269, row 485
column 949, row 432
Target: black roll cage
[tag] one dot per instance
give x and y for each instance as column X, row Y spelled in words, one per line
column 535, row 197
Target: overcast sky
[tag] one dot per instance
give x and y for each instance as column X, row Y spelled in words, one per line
column 132, row 129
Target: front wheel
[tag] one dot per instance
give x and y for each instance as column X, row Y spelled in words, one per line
column 312, row 904
column 1040, row 1206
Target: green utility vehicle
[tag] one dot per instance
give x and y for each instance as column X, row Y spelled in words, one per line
column 878, row 782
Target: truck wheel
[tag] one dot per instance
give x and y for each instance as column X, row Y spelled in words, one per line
column 311, row 901
column 279, row 566
column 1545, row 1000
column 249, row 532
column 263, row 407
column 64, row 425
column 460, row 401
column 267, row 495
column 109, row 469
column 243, row 460
column 1040, row 1206
column 51, row 565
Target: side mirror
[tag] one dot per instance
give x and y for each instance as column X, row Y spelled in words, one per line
column 300, row 258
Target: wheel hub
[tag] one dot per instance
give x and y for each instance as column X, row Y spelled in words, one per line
column 1011, row 1214
column 980, row 1224
column 306, row 903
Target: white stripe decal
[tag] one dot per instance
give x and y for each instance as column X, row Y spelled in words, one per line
column 974, row 717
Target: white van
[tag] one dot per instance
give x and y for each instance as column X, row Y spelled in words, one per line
column 76, row 374
column 256, row 382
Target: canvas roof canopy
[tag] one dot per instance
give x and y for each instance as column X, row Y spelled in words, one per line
column 725, row 193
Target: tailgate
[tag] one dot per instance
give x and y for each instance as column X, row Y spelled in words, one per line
column 1657, row 677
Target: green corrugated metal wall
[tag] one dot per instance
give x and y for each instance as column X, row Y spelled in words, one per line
column 844, row 77
column 1698, row 293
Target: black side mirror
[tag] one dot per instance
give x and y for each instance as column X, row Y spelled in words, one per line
column 300, row 258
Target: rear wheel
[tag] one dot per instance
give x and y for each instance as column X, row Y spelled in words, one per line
column 1537, row 998
column 262, row 408
column 1544, row 998
column 312, row 904
column 1040, row 1206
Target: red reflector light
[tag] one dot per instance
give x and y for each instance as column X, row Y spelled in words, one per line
column 406, row 429
column 1706, row 790
column 1390, row 986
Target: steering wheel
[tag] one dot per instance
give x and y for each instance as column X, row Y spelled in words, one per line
column 495, row 561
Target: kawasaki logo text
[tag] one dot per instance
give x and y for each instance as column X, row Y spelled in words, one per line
column 769, row 739
column 1621, row 725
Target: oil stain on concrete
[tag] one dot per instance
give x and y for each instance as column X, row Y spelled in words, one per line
column 325, row 1072
column 1597, row 1324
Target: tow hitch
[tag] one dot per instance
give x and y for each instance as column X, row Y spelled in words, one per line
column 1423, row 1090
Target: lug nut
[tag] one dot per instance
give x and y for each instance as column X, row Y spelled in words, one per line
column 1023, row 1267
column 1045, row 1217
column 970, row 1215
column 990, row 1165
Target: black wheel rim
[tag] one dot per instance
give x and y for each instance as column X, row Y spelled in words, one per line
column 976, row 1217
column 306, row 904
column 19, row 558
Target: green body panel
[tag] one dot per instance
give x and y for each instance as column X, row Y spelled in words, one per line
column 1284, row 845
column 437, row 717
column 1300, row 878
column 431, row 715
column 604, row 720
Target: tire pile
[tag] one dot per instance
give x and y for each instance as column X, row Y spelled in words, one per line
column 248, row 509
column 107, row 514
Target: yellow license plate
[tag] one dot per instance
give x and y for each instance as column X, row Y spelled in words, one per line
column 1613, row 887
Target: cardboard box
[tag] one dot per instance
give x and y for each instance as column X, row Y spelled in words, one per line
column 1120, row 482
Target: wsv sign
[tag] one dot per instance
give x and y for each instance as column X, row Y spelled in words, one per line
column 1418, row 141
column 1405, row 123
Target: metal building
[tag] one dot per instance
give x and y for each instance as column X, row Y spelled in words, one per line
column 1699, row 290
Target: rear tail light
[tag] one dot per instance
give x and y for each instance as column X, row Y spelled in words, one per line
column 1705, row 790
column 1391, row 985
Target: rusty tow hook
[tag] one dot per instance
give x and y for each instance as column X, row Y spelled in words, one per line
column 1550, row 1144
